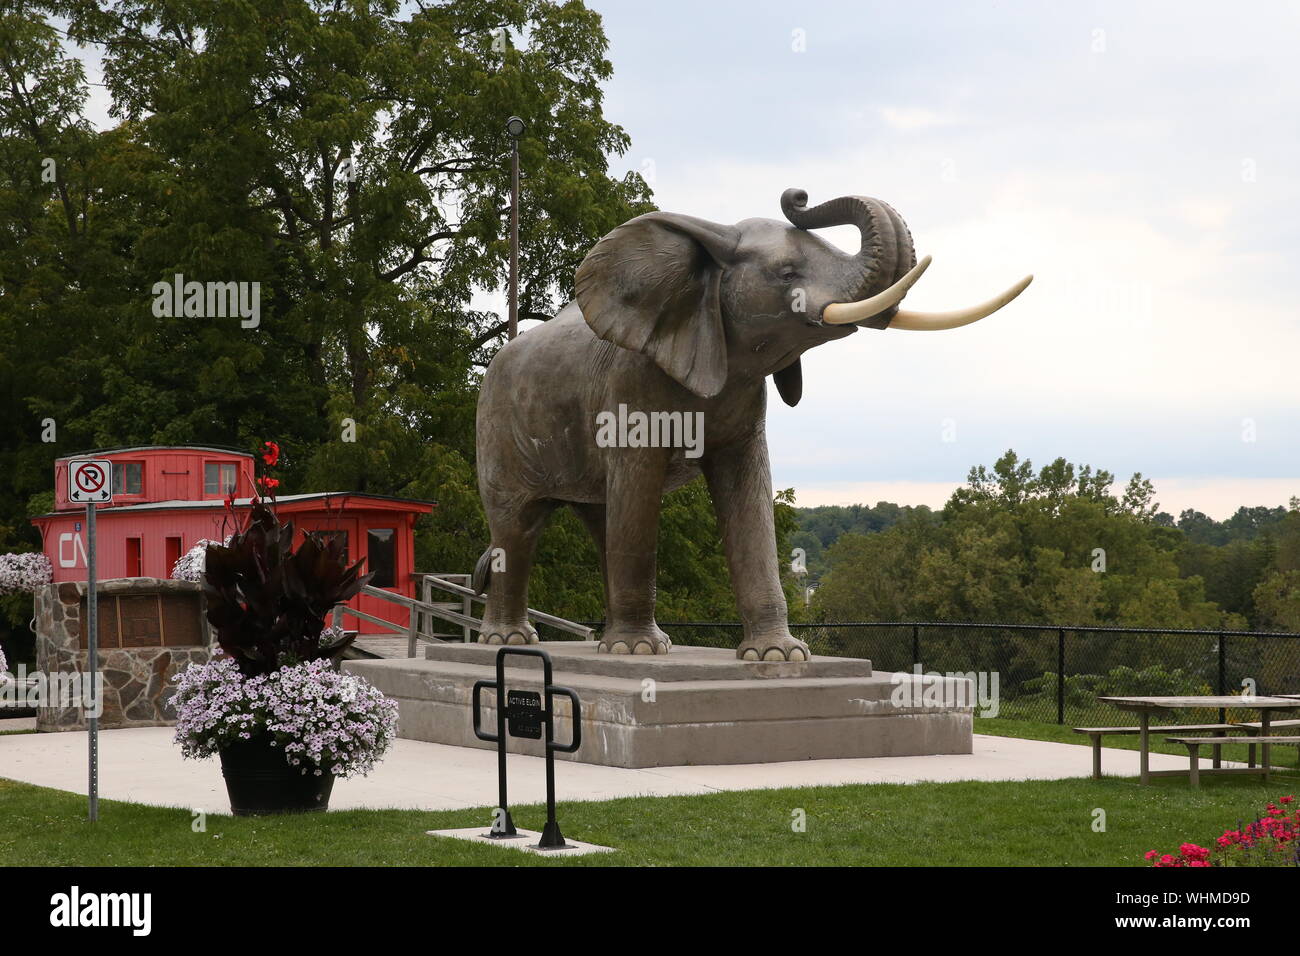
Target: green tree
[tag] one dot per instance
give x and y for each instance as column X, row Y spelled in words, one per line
column 1278, row 600
column 1020, row 545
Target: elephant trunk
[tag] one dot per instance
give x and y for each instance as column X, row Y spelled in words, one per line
column 884, row 269
column 887, row 254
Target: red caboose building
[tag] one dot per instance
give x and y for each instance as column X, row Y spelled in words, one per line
column 165, row 500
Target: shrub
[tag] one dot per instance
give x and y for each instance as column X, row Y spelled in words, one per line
column 24, row 572
column 1272, row 840
column 323, row 721
column 189, row 566
column 268, row 603
column 275, row 675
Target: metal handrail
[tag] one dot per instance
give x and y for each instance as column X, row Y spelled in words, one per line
column 987, row 625
column 426, row 607
column 412, row 630
column 1062, row 635
column 344, row 609
column 540, row 617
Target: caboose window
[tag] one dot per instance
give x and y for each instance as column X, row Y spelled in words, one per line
column 381, row 554
column 218, row 478
column 128, row 477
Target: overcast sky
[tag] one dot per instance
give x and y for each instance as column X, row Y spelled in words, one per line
column 1141, row 160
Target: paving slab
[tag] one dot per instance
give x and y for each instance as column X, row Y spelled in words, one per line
column 143, row 765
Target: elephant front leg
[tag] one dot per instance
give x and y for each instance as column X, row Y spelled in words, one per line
column 634, row 490
column 740, row 483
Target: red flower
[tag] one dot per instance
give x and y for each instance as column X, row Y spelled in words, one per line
column 270, row 453
column 268, row 484
column 1287, row 799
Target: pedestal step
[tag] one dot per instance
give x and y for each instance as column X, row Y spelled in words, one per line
column 693, row 706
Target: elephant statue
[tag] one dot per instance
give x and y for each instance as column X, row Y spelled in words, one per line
column 656, row 375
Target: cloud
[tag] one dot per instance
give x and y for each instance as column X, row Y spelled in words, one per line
column 913, row 118
column 1160, row 328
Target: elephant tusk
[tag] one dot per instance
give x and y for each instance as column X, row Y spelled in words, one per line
column 847, row 313
column 936, row 321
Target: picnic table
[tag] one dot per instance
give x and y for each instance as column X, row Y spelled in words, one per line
column 1146, row 706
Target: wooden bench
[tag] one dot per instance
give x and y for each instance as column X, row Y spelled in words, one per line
column 1193, row 745
column 1096, row 733
column 1254, row 727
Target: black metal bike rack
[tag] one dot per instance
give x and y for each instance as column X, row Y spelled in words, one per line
column 527, row 718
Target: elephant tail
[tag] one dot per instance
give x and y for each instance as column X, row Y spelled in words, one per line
column 482, row 573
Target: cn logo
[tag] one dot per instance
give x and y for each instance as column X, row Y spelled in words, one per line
column 70, row 546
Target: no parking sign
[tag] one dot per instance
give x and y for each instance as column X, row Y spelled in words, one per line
column 90, row 481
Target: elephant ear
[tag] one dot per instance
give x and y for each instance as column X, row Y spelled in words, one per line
column 789, row 382
column 653, row 286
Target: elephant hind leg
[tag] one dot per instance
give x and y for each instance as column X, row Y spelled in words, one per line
column 509, row 560
column 634, row 489
column 593, row 518
column 620, row 636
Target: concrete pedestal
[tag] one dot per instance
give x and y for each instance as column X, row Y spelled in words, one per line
column 693, row 706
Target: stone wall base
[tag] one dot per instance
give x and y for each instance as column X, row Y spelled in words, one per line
column 136, row 680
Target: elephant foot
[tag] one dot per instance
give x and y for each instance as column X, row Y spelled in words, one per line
column 634, row 640
column 497, row 633
column 773, row 647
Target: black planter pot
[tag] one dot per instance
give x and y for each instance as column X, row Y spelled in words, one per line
column 260, row 781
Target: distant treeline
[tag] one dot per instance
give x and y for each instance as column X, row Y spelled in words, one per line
column 1053, row 546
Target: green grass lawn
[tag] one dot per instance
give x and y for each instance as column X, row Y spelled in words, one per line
column 961, row 824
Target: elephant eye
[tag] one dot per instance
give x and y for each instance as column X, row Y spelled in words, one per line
column 788, row 274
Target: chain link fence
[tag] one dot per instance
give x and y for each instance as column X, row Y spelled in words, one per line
column 1051, row 673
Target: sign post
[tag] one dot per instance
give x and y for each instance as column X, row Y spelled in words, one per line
column 527, row 718
column 91, row 481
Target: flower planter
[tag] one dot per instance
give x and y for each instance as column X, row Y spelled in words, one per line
column 260, row 781
column 273, row 679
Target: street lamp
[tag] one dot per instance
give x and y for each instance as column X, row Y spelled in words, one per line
column 515, row 127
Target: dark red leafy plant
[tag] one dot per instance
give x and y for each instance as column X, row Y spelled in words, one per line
column 268, row 603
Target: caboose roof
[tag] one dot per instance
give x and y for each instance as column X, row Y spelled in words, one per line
column 179, row 449
column 343, row 498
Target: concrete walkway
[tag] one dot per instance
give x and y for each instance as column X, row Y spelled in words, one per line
column 144, row 766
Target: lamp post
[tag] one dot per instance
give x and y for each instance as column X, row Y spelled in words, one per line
column 515, row 127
